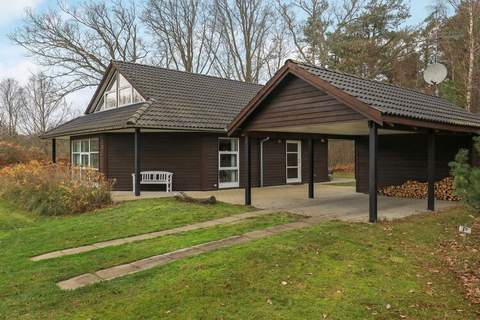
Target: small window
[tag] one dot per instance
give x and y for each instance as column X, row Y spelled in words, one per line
column 124, row 96
column 85, row 153
column 136, row 96
column 110, row 100
column 228, row 145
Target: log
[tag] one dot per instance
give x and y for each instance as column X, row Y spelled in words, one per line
column 182, row 196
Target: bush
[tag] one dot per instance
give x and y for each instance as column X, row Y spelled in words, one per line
column 12, row 153
column 54, row 189
column 466, row 177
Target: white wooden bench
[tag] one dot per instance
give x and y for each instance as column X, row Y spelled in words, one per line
column 155, row 177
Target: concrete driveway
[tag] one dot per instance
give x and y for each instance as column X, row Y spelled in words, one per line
column 331, row 202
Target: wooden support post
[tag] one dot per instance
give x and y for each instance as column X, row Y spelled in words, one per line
column 431, row 171
column 138, row 156
column 372, row 171
column 248, row 171
column 311, row 172
column 54, row 150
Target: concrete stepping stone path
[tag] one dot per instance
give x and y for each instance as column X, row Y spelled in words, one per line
column 158, row 260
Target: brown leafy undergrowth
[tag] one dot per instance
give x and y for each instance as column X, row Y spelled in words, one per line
column 462, row 257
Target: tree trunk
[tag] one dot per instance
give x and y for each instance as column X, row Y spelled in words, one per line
column 471, row 58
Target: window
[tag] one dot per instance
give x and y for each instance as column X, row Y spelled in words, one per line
column 228, row 163
column 85, row 153
column 294, row 161
column 119, row 93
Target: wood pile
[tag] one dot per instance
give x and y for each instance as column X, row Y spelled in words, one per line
column 444, row 190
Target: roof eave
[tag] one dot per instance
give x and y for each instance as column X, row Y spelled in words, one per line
column 417, row 123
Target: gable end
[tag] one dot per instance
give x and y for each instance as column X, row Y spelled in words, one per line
column 295, row 102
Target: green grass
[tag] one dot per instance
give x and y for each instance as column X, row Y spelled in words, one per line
column 126, row 219
column 336, row 269
column 340, row 174
column 343, row 184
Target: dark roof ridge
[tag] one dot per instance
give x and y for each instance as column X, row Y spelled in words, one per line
column 138, row 114
column 377, row 82
column 191, row 73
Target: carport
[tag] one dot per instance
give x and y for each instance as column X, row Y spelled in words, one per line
column 405, row 133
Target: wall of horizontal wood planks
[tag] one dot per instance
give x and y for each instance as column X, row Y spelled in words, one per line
column 404, row 157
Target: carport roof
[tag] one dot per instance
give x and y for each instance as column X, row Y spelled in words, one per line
column 381, row 102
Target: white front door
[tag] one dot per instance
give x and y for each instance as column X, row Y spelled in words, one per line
column 294, row 161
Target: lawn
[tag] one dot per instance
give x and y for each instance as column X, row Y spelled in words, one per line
column 334, row 270
column 344, row 175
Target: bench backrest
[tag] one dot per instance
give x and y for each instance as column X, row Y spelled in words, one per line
column 156, row 176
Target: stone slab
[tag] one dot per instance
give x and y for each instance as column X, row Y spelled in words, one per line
column 117, row 271
column 78, row 281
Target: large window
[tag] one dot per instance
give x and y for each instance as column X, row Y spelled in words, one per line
column 118, row 93
column 228, row 163
column 85, row 153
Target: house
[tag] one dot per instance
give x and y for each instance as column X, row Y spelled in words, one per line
column 217, row 133
column 182, row 119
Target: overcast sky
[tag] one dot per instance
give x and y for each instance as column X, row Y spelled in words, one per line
column 14, row 63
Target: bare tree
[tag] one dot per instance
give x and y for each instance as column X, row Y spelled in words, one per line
column 280, row 48
column 184, row 32
column 12, row 104
column 46, row 107
column 76, row 43
column 245, row 32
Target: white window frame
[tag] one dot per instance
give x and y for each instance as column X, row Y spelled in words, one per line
column 83, row 153
column 299, row 161
column 237, row 167
column 116, row 90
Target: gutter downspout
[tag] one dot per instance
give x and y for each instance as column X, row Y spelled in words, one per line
column 261, row 159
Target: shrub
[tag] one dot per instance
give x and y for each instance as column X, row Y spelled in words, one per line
column 12, row 153
column 466, row 177
column 54, row 189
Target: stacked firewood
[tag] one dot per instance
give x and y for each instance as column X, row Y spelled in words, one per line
column 444, row 190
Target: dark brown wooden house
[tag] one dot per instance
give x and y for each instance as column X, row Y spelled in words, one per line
column 217, row 133
column 180, row 121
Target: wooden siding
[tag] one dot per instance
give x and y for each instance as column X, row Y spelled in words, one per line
column 295, row 102
column 177, row 153
column 193, row 159
column 404, row 157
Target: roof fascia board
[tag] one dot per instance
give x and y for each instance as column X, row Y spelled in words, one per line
column 129, row 127
column 100, row 88
column 429, row 125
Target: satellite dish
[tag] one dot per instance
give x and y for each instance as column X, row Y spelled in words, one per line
column 435, row 73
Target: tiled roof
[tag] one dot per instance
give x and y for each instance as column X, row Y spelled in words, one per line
column 176, row 100
column 179, row 100
column 396, row 101
column 182, row 100
column 112, row 119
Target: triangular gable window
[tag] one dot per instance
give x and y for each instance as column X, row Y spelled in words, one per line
column 118, row 93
